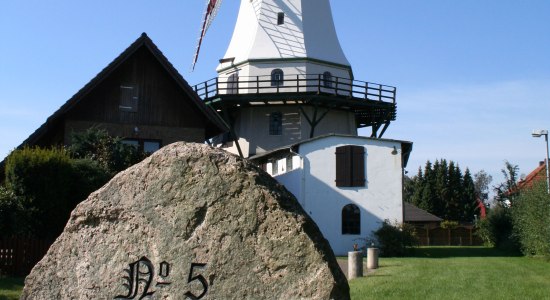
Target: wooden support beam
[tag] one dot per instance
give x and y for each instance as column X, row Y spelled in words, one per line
column 232, row 131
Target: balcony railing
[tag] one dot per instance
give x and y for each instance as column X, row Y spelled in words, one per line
column 302, row 83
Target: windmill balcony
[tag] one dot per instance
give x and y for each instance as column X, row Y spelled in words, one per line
column 318, row 84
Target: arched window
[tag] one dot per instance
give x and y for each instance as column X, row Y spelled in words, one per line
column 327, row 79
column 233, row 84
column 277, row 77
column 351, row 219
column 276, row 123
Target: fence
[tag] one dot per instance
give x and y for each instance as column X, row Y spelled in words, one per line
column 18, row 255
column 301, row 83
column 437, row 236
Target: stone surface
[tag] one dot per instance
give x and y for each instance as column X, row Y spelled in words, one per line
column 189, row 221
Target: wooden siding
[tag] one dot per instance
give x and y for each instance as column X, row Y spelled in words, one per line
column 161, row 102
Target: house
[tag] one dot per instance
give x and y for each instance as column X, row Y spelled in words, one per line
column 140, row 97
column 539, row 173
column 348, row 184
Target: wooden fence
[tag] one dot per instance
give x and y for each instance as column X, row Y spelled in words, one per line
column 437, row 236
column 18, row 255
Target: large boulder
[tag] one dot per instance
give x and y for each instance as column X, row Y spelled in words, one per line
column 189, row 222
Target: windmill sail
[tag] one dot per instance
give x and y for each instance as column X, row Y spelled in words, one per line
column 212, row 7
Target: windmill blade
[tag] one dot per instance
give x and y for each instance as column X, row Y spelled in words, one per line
column 212, row 7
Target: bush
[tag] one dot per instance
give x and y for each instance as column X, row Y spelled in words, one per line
column 11, row 213
column 497, row 230
column 531, row 217
column 109, row 152
column 44, row 186
column 395, row 240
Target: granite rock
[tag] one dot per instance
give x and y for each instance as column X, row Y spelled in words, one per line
column 189, row 222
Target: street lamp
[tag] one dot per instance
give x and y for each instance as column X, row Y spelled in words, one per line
column 539, row 133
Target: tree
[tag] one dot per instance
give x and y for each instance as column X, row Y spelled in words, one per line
column 444, row 191
column 482, row 180
column 109, row 152
column 508, row 190
column 469, row 197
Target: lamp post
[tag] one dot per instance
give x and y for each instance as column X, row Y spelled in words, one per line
column 539, row 133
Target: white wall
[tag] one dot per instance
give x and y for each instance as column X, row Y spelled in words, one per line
column 380, row 199
column 252, row 127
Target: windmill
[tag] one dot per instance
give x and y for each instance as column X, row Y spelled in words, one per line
column 285, row 78
column 210, row 12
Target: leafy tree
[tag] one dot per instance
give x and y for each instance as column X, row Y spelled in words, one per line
column 482, row 180
column 109, row 152
column 507, row 191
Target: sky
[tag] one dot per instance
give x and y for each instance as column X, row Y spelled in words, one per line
column 472, row 76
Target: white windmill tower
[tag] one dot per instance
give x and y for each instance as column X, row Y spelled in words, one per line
column 285, row 78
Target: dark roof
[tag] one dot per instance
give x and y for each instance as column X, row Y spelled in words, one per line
column 214, row 126
column 415, row 214
column 282, row 151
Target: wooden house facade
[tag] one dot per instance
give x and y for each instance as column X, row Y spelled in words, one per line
column 140, row 97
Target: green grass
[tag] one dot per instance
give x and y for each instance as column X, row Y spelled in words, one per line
column 456, row 273
column 11, row 288
column 433, row 273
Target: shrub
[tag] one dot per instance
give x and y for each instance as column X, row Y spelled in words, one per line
column 11, row 213
column 395, row 240
column 531, row 216
column 43, row 186
column 109, row 152
column 497, row 229
column 41, row 180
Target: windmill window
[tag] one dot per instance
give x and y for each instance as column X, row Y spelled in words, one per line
column 351, row 219
column 233, row 84
column 350, row 166
column 277, row 77
column 327, row 80
column 276, row 123
column 280, row 18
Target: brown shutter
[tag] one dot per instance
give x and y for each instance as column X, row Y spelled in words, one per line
column 343, row 164
column 358, row 166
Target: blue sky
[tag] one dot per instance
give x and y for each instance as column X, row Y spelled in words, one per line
column 473, row 77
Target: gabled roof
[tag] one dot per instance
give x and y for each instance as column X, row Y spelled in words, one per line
column 414, row 214
column 537, row 174
column 215, row 125
column 406, row 146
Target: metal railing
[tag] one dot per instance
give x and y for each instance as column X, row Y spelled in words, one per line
column 302, row 83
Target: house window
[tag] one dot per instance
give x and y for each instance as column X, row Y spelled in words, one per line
column 280, row 18
column 289, row 164
column 350, row 166
column 277, row 77
column 128, row 98
column 327, row 80
column 276, row 123
column 274, row 167
column 147, row 146
column 351, row 219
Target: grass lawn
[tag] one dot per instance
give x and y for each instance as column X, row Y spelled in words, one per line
column 456, row 273
column 433, row 273
column 10, row 288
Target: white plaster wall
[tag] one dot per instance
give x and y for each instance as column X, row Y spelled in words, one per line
column 252, row 127
column 308, row 31
column 380, row 199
